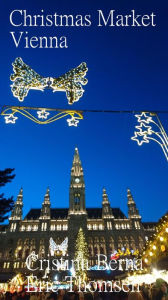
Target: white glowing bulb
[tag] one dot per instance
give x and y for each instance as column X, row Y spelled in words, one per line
column 42, row 114
column 10, row 119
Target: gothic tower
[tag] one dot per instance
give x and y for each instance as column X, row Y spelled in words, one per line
column 77, row 210
column 106, row 209
column 45, row 211
column 77, row 187
column 16, row 215
column 17, row 210
column 133, row 212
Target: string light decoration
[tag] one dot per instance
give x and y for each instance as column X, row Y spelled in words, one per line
column 41, row 118
column 150, row 128
column 54, row 247
column 124, row 252
column 157, row 246
column 42, row 114
column 81, row 256
column 25, row 79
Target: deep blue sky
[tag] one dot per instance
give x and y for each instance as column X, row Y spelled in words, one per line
column 127, row 70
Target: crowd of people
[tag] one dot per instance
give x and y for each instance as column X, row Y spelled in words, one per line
column 156, row 291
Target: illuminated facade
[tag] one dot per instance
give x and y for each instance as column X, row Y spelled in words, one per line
column 48, row 229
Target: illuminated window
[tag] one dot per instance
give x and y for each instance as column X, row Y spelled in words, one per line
column 65, row 227
column 52, row 227
column 95, row 226
column 59, row 227
column 22, row 228
column 44, row 226
column 89, row 227
column 100, row 227
column 13, row 227
column 109, row 225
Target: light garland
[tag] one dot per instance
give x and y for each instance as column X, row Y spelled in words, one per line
column 9, row 113
column 146, row 133
column 25, row 79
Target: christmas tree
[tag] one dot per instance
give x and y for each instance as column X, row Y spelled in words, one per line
column 81, row 256
column 157, row 246
column 6, row 204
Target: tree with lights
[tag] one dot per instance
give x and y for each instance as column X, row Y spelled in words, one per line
column 157, row 247
column 6, row 204
column 81, row 256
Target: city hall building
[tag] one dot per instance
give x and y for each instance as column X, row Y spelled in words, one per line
column 52, row 232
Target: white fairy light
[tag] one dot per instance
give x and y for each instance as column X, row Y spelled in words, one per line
column 140, row 138
column 42, row 114
column 143, row 118
column 147, row 133
column 72, row 122
column 10, row 119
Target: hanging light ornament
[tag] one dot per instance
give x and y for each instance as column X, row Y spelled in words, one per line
column 29, row 112
column 42, row 114
column 25, row 79
column 148, row 126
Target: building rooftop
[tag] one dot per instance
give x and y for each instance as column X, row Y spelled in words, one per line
column 62, row 213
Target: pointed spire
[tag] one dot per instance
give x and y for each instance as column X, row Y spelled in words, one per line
column 133, row 212
column 45, row 210
column 19, row 199
column 105, row 197
column 17, row 210
column 77, row 169
column 106, row 209
column 130, row 197
column 76, row 159
column 47, row 197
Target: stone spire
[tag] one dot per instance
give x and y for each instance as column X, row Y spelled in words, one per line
column 17, row 210
column 45, row 210
column 106, row 209
column 133, row 212
column 77, row 187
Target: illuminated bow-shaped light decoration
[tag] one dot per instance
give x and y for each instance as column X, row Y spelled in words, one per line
column 146, row 132
column 25, row 79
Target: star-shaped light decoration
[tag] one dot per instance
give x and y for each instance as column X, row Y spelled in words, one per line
column 10, row 119
column 72, row 122
column 143, row 118
column 140, row 138
column 42, row 114
column 143, row 129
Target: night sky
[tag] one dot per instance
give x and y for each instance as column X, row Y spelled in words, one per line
column 127, row 71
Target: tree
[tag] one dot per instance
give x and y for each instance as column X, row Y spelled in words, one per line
column 6, row 204
column 81, row 256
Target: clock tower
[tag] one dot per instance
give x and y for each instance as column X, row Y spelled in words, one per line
column 77, row 187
